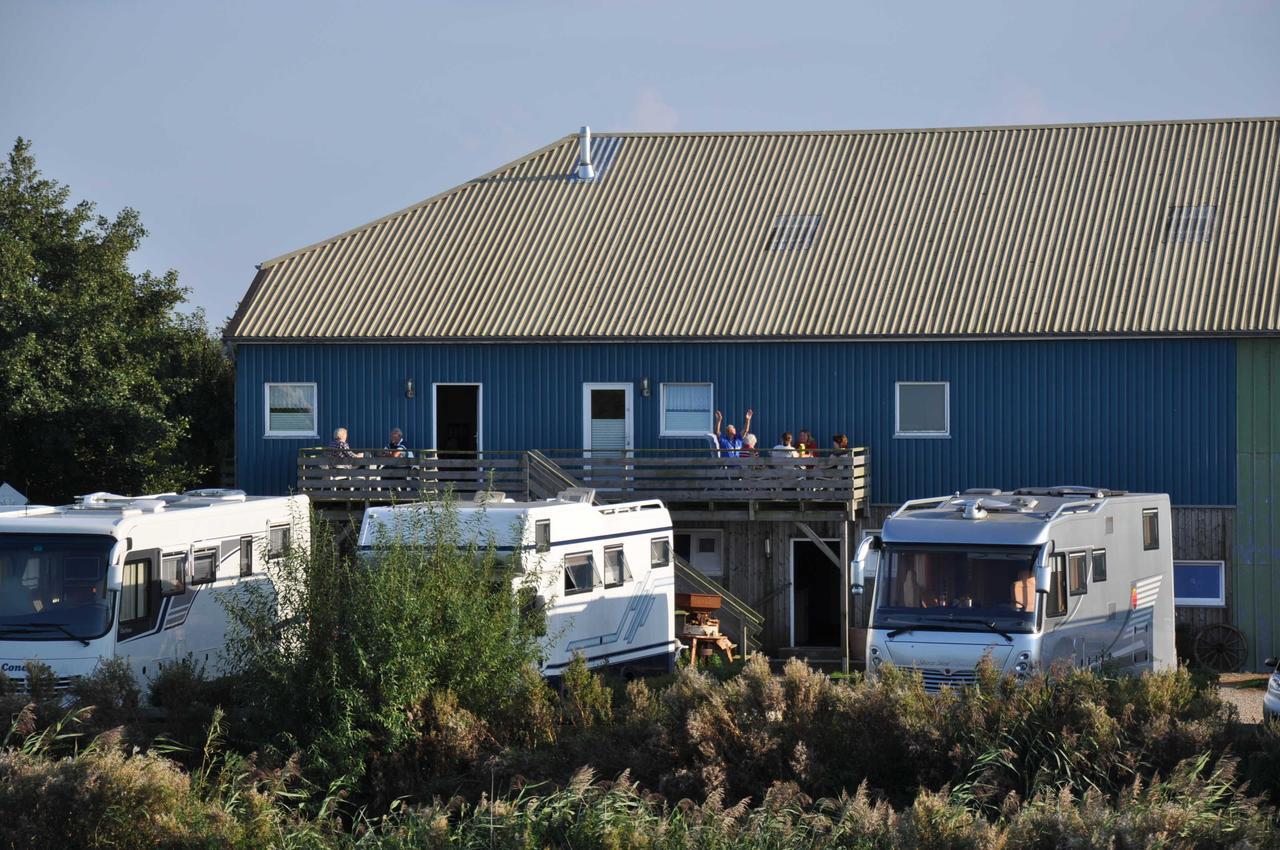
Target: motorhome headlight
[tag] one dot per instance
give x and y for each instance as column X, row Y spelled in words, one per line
column 875, row 651
column 1024, row 656
column 1273, row 684
column 1021, row 667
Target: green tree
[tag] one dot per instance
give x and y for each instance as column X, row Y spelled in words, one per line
column 104, row 383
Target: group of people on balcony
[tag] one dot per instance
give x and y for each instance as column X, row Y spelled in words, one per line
column 732, row 444
column 339, row 447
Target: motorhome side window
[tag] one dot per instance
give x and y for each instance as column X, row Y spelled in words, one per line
column 615, row 567
column 135, row 608
column 246, row 556
column 204, row 566
column 1057, row 601
column 579, row 573
column 659, row 553
column 173, row 574
column 542, row 535
column 1078, row 573
column 278, row 545
column 1099, row 564
column 1150, row 528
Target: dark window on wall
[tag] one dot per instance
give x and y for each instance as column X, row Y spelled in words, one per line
column 542, row 535
column 204, row 566
column 579, row 573
column 1078, row 573
column 173, row 574
column 278, row 545
column 1057, row 599
column 659, row 552
column 246, row 556
column 1150, row 528
column 1099, row 564
column 615, row 567
column 922, row 409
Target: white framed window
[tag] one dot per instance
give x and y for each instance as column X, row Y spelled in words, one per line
column 687, row 409
column 204, row 566
column 278, row 539
column 173, row 574
column 922, row 409
column 616, row 572
column 290, row 410
column 1200, row 584
column 659, row 553
column 579, row 573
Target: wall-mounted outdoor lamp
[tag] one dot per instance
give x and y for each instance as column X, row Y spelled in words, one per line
column 408, row 388
column 644, row 387
column 768, row 549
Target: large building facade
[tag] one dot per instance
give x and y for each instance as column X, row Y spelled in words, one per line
column 987, row 307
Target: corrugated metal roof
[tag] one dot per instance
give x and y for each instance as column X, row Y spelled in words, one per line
column 973, row 232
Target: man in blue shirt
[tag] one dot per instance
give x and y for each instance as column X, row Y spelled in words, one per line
column 731, row 443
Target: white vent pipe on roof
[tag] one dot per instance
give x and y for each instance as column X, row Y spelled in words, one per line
column 585, row 170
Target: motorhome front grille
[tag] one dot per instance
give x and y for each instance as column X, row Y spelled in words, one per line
column 18, row 685
column 935, row 680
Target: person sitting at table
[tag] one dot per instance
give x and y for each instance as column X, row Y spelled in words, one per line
column 785, row 448
column 806, row 447
column 338, row 446
column 396, row 446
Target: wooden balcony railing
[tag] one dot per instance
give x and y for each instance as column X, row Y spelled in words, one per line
column 674, row 476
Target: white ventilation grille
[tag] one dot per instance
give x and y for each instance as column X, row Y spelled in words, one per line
column 1191, row 224
column 794, row 232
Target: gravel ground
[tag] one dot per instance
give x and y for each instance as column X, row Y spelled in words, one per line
column 1247, row 700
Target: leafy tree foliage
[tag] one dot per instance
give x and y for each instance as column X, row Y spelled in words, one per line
column 104, row 383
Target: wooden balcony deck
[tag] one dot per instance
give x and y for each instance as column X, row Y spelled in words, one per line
column 693, row 483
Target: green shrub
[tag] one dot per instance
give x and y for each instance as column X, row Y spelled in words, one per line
column 336, row 660
column 111, row 695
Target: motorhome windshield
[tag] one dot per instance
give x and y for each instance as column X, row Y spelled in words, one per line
column 956, row 587
column 54, row 586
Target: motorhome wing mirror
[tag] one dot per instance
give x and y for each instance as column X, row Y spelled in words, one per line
column 865, row 562
column 1042, row 570
column 1272, row 663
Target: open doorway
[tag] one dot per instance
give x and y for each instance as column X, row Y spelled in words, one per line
column 457, row 418
column 815, row 595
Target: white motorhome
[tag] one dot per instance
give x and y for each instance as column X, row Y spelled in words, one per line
column 137, row 577
column 603, row 574
column 1029, row 577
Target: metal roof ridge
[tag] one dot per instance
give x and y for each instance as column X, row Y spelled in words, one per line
column 1154, row 122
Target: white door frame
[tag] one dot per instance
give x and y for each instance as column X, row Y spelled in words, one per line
column 791, row 579
column 586, row 412
column 435, row 412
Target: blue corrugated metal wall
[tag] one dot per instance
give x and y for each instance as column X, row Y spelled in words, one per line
column 1136, row 414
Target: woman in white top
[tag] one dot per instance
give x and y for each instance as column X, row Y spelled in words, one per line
column 785, row 449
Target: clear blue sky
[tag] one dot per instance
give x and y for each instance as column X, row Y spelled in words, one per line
column 243, row 130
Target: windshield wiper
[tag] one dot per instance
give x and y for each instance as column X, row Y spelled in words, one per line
column 62, row 627
column 990, row 624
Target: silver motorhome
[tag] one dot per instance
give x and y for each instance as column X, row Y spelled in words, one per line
column 135, row 577
column 1029, row 577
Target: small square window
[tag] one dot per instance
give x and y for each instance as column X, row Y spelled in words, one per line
column 1057, row 600
column 1191, row 223
column 246, row 556
column 1199, row 584
column 278, row 545
column 1150, row 528
column 173, row 574
column 707, row 545
column 922, row 409
column 659, row 553
column 204, row 566
column 579, row 573
column 687, row 410
column 615, row 567
column 794, row 232
column 1078, row 573
column 1099, row 564
column 542, row 535
column 291, row 410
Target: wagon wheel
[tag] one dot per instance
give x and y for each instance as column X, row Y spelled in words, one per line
column 1220, row 647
